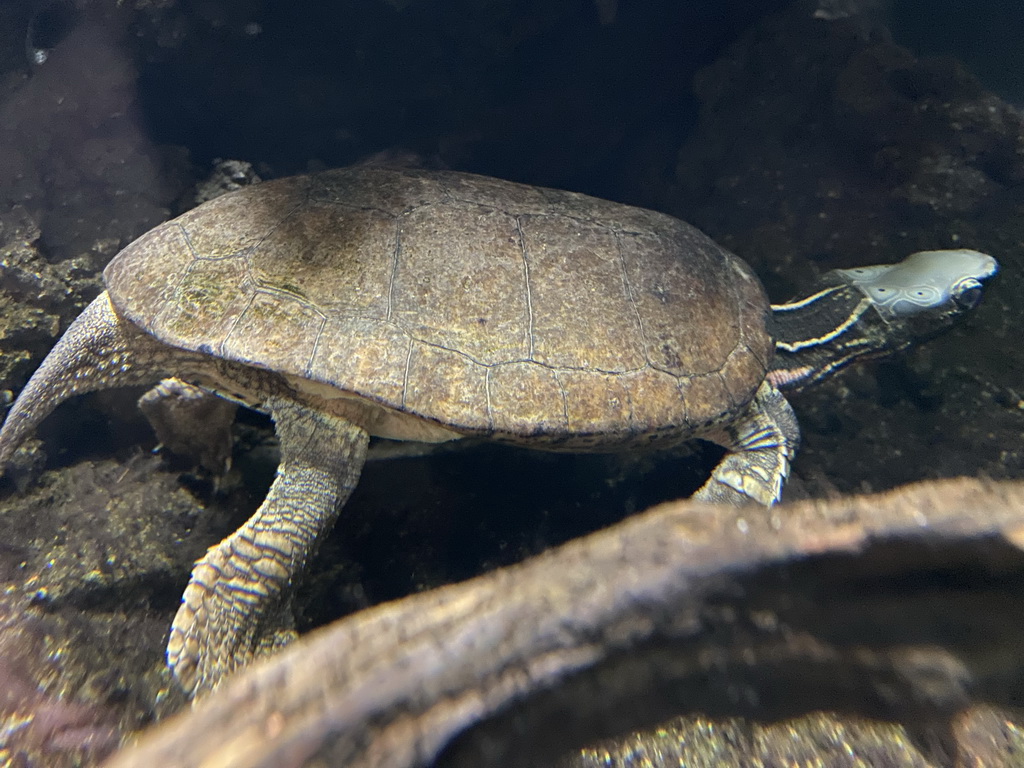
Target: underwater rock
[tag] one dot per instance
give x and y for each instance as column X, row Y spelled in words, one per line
column 820, row 142
column 38, row 727
column 979, row 736
column 78, row 179
column 90, row 560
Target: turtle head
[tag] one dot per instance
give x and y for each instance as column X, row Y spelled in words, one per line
column 929, row 284
column 867, row 312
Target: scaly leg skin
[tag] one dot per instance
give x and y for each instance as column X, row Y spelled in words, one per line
column 237, row 605
column 98, row 351
column 761, row 446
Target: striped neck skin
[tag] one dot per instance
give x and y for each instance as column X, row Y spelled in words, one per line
column 857, row 314
column 819, row 335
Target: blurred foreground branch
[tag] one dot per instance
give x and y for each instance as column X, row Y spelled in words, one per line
column 867, row 604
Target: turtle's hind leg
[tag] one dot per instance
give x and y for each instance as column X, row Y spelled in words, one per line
column 98, row 351
column 238, row 602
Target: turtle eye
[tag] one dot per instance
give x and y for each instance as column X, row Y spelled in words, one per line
column 967, row 295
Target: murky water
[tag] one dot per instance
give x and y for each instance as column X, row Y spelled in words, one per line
column 801, row 141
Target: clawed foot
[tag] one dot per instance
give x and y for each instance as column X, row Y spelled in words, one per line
column 231, row 612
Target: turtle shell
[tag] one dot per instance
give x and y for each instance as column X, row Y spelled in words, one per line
column 481, row 305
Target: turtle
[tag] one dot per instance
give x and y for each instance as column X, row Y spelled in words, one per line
column 432, row 305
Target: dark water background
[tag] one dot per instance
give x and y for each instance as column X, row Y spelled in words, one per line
column 802, row 142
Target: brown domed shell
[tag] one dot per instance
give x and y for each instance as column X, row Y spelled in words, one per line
column 486, row 306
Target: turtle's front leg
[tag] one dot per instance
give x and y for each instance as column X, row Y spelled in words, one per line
column 761, row 446
column 238, row 602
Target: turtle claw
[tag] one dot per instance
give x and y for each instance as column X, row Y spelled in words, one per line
column 217, row 627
